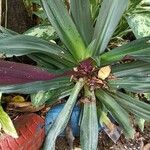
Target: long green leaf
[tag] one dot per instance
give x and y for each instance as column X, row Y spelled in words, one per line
column 133, row 105
column 64, row 26
column 50, row 61
column 43, row 31
column 140, row 114
column 50, row 96
column 139, row 103
column 61, row 122
column 139, row 49
column 117, row 111
column 89, row 123
column 23, row 44
column 110, row 13
column 33, row 87
column 133, row 84
column 136, row 68
column 47, row 63
column 81, row 14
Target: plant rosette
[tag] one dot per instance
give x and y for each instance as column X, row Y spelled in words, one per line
column 81, row 69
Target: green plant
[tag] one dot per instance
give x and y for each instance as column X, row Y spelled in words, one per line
column 81, row 65
column 6, row 124
column 138, row 15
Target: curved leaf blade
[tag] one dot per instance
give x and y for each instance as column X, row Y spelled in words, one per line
column 136, row 68
column 23, row 44
column 50, row 96
column 33, row 87
column 139, row 23
column 117, row 111
column 7, row 124
column 139, row 49
column 61, row 122
column 50, row 61
column 14, row 73
column 45, row 62
column 46, row 32
column 82, row 19
column 64, row 26
column 109, row 16
column 133, row 105
column 133, row 84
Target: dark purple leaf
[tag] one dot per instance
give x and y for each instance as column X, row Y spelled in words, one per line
column 13, row 73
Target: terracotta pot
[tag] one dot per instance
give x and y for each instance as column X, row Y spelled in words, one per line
column 30, row 128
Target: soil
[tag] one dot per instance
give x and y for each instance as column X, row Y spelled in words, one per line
column 141, row 142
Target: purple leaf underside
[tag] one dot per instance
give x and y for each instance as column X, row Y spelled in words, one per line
column 13, row 73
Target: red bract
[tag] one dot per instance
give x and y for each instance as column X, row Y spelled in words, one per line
column 13, row 73
column 86, row 66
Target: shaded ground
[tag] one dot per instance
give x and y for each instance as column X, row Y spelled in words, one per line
column 141, row 142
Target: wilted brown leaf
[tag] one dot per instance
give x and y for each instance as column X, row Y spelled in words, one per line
column 23, row 107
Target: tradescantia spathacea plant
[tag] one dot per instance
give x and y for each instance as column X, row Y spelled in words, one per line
column 82, row 69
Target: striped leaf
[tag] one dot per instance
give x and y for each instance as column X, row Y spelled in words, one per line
column 117, row 111
column 64, row 26
column 81, row 14
column 139, row 49
column 136, row 68
column 133, row 84
column 23, row 44
column 109, row 16
column 133, row 105
column 61, row 121
column 89, row 124
column 33, row 87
